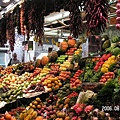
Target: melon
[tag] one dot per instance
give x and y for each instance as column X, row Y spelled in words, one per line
column 44, row 60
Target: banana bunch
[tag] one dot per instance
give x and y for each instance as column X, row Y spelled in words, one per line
column 29, row 114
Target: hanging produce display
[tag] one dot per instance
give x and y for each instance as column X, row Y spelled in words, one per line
column 10, row 30
column 16, row 14
column 22, row 20
column 75, row 25
column 118, row 15
column 2, row 31
column 96, row 15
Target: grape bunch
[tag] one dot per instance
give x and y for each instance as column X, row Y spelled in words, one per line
column 35, row 88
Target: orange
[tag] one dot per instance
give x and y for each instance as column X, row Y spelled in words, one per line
column 49, row 85
column 30, row 104
column 8, row 116
column 39, row 106
column 35, row 102
column 38, row 99
column 56, row 87
column 53, row 84
column 44, row 83
column 48, row 81
column 60, row 84
column 56, row 82
column 33, row 106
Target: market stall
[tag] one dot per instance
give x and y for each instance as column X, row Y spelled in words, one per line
column 79, row 81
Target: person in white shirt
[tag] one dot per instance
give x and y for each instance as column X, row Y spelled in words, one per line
column 13, row 60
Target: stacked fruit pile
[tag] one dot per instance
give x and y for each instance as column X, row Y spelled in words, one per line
column 52, row 83
column 61, row 86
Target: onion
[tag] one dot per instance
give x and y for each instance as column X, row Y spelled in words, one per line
column 118, row 5
column 118, row 12
column 118, row 26
column 118, row 19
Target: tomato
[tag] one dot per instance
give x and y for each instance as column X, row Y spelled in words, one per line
column 77, row 81
column 68, row 76
column 77, row 75
column 107, row 76
column 109, row 55
column 77, row 72
column 103, row 80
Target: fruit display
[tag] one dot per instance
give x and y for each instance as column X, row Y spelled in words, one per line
column 21, row 68
column 47, row 112
column 7, row 116
column 71, row 51
column 65, row 65
column 63, row 46
column 51, row 99
column 64, row 75
column 71, row 41
column 15, row 111
column 69, row 58
column 1, row 68
column 107, row 76
column 64, row 91
column 3, row 89
column 28, row 114
column 36, row 104
column 101, row 61
column 61, row 59
column 54, row 68
column 46, row 77
column 44, row 60
column 75, row 81
column 78, row 51
column 107, row 63
column 11, row 95
column 34, row 88
column 7, row 70
column 63, row 86
column 53, row 83
column 13, row 80
column 44, row 71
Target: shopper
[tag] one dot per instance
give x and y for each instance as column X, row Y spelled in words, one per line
column 34, row 60
column 13, row 60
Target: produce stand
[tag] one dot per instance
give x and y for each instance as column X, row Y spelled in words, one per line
column 63, row 86
column 80, row 81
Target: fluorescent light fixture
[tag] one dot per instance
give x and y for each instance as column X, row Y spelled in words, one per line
column 51, row 33
column 5, row 1
column 60, row 40
column 66, row 34
column 57, row 16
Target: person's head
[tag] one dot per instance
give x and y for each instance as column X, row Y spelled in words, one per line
column 34, row 58
column 14, row 56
